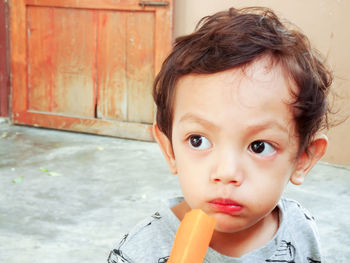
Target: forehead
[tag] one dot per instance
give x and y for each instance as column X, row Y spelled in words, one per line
column 261, row 77
column 258, row 89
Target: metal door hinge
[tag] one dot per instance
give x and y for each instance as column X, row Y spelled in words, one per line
column 153, row 3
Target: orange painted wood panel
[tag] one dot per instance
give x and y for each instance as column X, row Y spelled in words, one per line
column 75, row 48
column 61, row 60
column 162, row 45
column 128, row 130
column 111, row 61
column 40, row 58
column 4, row 70
column 87, row 65
column 18, row 57
column 75, row 51
column 140, row 66
column 87, row 125
column 126, row 5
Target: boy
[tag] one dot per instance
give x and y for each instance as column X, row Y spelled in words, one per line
column 240, row 103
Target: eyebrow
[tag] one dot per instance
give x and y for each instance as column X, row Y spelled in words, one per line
column 267, row 124
column 251, row 127
column 190, row 117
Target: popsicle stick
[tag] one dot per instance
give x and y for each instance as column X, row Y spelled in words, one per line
column 192, row 238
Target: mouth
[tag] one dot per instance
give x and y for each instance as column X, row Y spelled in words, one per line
column 225, row 205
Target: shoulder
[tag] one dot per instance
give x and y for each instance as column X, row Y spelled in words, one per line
column 149, row 241
column 300, row 230
column 295, row 215
column 292, row 207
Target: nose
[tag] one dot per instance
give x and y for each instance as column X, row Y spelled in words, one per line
column 228, row 170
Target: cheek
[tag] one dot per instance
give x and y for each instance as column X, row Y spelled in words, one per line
column 269, row 193
column 190, row 177
column 193, row 180
column 188, row 164
column 191, row 190
column 262, row 198
column 269, row 180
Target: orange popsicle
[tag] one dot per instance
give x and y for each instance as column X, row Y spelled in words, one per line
column 192, row 238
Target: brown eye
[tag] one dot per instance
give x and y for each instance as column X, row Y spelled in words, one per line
column 196, row 141
column 199, row 142
column 258, row 146
column 262, row 148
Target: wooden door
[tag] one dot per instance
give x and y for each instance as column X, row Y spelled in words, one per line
column 88, row 65
column 4, row 78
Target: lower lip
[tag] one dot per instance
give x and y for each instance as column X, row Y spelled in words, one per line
column 226, row 208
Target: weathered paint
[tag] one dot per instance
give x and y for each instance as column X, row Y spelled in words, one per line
column 61, row 55
column 112, row 97
column 40, row 67
column 4, row 76
column 140, row 66
column 18, row 57
column 122, row 129
column 4, row 79
column 86, row 66
column 122, row 5
column 75, row 48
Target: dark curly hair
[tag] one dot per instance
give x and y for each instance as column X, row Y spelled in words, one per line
column 235, row 38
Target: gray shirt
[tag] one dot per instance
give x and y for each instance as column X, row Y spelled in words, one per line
column 150, row 241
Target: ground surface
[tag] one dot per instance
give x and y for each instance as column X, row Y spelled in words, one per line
column 69, row 197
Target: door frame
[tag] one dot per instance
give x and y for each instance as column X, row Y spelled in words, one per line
column 4, row 61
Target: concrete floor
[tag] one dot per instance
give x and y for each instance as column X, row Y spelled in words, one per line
column 69, row 197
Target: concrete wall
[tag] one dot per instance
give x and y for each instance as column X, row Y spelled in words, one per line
column 326, row 22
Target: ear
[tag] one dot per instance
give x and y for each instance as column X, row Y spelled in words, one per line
column 166, row 147
column 307, row 160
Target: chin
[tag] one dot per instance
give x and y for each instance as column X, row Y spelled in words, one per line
column 229, row 224
column 228, row 227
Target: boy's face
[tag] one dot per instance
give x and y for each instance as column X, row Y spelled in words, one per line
column 234, row 144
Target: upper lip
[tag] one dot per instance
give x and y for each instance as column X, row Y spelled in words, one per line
column 224, row 201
